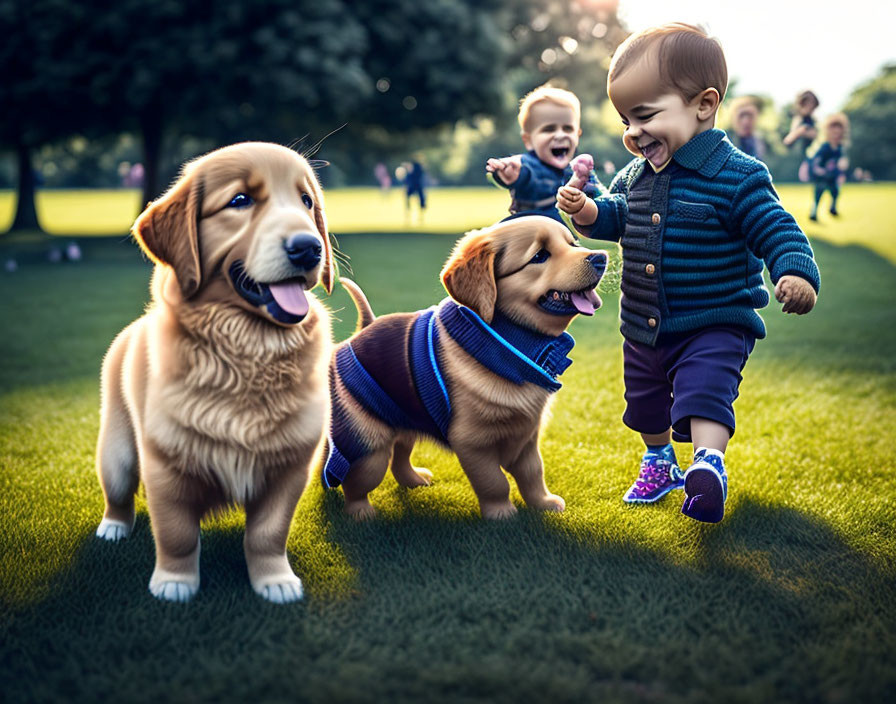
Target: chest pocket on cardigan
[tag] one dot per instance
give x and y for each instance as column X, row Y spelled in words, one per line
column 694, row 212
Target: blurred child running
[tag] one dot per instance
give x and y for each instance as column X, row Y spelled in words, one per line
column 829, row 164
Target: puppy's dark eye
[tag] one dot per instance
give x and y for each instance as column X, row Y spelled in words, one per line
column 306, row 199
column 541, row 256
column 240, row 200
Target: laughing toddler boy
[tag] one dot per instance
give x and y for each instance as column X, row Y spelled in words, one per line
column 696, row 219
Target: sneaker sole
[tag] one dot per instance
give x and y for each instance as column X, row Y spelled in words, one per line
column 656, row 498
column 704, row 496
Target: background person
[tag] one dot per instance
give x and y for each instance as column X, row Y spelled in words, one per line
column 829, row 164
column 802, row 129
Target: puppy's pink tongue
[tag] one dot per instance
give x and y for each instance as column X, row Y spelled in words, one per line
column 586, row 303
column 290, row 297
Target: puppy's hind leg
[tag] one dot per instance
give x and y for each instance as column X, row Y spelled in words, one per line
column 116, row 454
column 405, row 473
column 363, row 477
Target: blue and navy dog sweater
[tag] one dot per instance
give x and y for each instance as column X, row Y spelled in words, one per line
column 392, row 369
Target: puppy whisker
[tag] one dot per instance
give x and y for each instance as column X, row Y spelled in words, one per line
column 311, row 151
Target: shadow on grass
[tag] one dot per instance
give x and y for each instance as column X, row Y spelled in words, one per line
column 772, row 605
column 775, row 607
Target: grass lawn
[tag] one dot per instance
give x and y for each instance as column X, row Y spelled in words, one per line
column 867, row 219
column 791, row 598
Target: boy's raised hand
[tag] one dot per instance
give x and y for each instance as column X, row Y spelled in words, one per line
column 577, row 205
column 796, row 294
column 506, row 169
column 570, row 199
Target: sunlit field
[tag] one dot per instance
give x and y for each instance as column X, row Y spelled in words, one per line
column 451, row 211
column 791, row 598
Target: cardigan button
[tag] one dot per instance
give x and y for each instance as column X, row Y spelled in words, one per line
column 650, row 269
column 655, row 219
column 651, row 322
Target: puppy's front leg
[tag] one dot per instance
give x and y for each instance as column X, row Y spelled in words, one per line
column 483, row 469
column 175, row 528
column 528, row 470
column 268, row 518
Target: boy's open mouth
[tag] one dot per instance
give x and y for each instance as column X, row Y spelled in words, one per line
column 560, row 152
column 649, row 150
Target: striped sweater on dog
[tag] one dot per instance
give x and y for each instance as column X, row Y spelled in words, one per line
column 393, row 371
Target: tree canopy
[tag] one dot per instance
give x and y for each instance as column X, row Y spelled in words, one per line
column 226, row 70
column 872, row 113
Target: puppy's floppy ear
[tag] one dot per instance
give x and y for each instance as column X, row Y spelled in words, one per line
column 469, row 274
column 168, row 231
column 328, row 275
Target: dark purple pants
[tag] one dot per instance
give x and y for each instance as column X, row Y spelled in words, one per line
column 685, row 375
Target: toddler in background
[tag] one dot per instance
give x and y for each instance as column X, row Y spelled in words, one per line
column 549, row 121
column 802, row 129
column 829, row 163
column 745, row 113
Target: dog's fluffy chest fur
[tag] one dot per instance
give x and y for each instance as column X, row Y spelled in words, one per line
column 239, row 398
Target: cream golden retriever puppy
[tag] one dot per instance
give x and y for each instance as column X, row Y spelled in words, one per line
column 475, row 372
column 218, row 394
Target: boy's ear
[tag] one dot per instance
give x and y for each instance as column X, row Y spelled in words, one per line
column 527, row 140
column 707, row 103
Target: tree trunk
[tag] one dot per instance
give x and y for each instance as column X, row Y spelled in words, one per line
column 151, row 126
column 26, row 213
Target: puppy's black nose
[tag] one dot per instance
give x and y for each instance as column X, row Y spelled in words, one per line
column 598, row 260
column 303, row 250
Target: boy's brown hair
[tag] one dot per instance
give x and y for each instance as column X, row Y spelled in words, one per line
column 805, row 96
column 689, row 60
column 549, row 94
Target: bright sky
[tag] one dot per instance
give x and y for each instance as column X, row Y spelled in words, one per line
column 778, row 47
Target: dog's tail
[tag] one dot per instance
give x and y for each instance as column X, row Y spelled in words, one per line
column 365, row 312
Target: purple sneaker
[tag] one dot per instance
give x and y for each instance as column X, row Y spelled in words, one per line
column 659, row 475
column 705, row 488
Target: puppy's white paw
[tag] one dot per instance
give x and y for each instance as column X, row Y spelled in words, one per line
column 498, row 511
column 173, row 591
column 110, row 529
column 360, row 510
column 552, row 502
column 285, row 591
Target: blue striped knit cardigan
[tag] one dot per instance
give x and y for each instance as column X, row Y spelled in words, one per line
column 693, row 246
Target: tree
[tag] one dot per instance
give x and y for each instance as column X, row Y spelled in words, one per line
column 431, row 63
column 872, row 112
column 226, row 70
column 37, row 89
column 568, row 44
